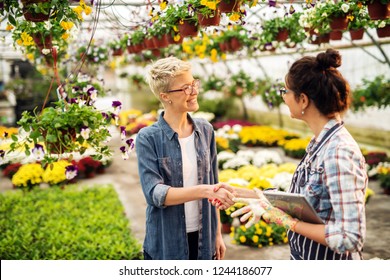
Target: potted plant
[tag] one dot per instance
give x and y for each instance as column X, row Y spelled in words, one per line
column 136, row 41
column 93, row 53
column 117, row 46
column 372, row 93
column 378, row 9
column 73, row 124
column 358, row 20
column 275, row 29
column 207, row 12
column 336, row 13
column 383, row 169
column 184, row 17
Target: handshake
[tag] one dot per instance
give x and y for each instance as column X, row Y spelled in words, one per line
column 255, row 209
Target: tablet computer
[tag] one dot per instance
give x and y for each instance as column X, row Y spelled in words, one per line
column 295, row 205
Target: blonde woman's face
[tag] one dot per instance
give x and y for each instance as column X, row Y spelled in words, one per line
column 183, row 93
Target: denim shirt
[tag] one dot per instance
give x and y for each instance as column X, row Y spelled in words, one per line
column 160, row 168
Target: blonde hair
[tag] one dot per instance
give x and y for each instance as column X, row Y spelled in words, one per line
column 163, row 71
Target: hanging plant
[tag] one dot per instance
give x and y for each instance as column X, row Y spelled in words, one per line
column 72, row 125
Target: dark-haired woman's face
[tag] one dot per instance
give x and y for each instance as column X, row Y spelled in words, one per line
column 292, row 103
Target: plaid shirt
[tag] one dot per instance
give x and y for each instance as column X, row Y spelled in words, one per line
column 335, row 186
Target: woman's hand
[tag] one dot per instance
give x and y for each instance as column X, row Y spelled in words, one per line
column 262, row 208
column 220, row 247
column 220, row 196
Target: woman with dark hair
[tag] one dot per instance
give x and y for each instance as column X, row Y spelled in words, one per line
column 332, row 174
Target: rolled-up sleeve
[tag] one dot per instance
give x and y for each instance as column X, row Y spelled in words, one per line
column 152, row 183
column 347, row 181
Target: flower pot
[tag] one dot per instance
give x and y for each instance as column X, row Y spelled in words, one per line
column 319, row 39
column 336, row 35
column 42, row 42
column 188, row 29
column 383, row 32
column 228, row 6
column 137, row 48
column 224, row 47
column 377, row 10
column 32, row 16
column 356, row 34
column 117, row 52
column 234, row 44
column 210, row 20
column 161, row 41
column 282, row 35
column 225, row 227
column 172, row 41
column 149, row 44
column 339, row 23
column 156, row 52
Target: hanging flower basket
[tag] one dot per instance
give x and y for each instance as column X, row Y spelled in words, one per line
column 229, row 6
column 209, row 20
column 377, row 10
column 336, row 35
column 383, row 32
column 117, row 52
column 356, row 34
column 188, row 29
column 339, row 23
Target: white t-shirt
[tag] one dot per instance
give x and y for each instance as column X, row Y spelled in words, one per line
column 190, row 173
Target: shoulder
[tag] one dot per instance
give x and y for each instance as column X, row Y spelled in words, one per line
column 203, row 124
column 149, row 131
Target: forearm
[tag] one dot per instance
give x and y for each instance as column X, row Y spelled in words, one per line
column 176, row 196
column 312, row 231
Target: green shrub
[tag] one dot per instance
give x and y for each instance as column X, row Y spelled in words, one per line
column 77, row 223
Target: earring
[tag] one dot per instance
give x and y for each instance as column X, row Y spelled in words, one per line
column 303, row 112
column 170, row 101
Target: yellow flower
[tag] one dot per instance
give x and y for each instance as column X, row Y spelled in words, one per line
column 9, row 27
column 235, row 16
column 163, row 5
column 65, row 36
column 27, row 39
column 79, row 10
column 176, row 38
column 242, row 239
column 30, row 56
column 255, row 239
column 175, row 28
column 87, row 10
column 19, row 42
column 67, row 25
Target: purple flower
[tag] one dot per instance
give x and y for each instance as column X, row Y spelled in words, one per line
column 125, row 154
column 73, row 100
column 38, row 152
column 106, row 116
column 71, row 171
column 123, row 132
column 2, row 153
column 115, row 117
column 272, row 3
column 5, row 134
column 130, row 143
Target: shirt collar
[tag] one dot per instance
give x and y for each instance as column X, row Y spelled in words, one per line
column 169, row 132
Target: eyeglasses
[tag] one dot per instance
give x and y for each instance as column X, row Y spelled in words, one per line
column 188, row 89
column 282, row 91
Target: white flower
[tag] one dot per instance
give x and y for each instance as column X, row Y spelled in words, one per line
column 235, row 163
column 246, row 154
column 282, row 181
column 85, row 132
column 46, row 51
column 345, row 7
column 225, row 155
column 264, row 157
column 238, row 182
column 237, row 128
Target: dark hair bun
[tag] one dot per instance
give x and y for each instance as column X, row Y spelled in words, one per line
column 330, row 58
